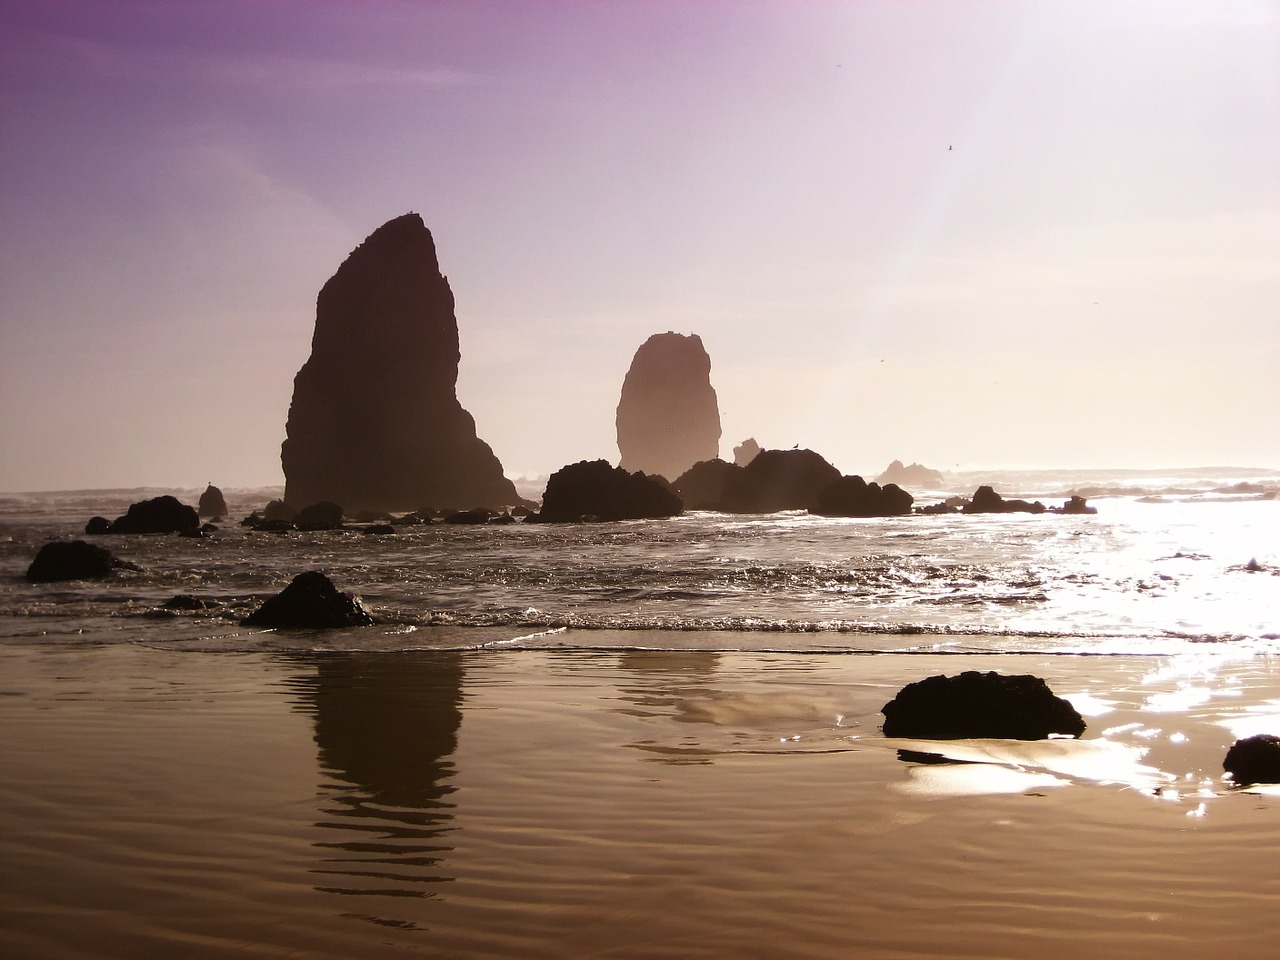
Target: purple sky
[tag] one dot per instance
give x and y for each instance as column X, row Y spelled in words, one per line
column 971, row 234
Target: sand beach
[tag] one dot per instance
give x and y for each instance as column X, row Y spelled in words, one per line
column 618, row 804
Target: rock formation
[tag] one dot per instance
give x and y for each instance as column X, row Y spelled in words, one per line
column 668, row 418
column 746, row 451
column 311, row 600
column 987, row 705
column 594, row 490
column 916, row 475
column 785, row 480
column 854, row 497
column 212, row 503
column 375, row 422
column 74, row 560
column 711, row 484
column 1254, row 759
column 986, row 500
column 158, row 515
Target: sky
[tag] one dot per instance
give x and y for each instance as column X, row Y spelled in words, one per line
column 1007, row 233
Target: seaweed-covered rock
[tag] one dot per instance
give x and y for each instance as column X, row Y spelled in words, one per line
column 74, row 560
column 854, row 497
column 311, row 600
column 595, row 490
column 985, row 705
column 1254, row 759
column 158, row 515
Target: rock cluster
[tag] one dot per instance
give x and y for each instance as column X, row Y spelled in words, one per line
column 594, row 490
column 854, row 497
column 375, row 422
column 986, row 500
column 774, row 480
column 158, row 515
column 668, row 418
column 980, row 705
column 915, row 475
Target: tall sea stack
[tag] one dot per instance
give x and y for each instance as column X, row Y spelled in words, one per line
column 668, row 418
column 375, row 422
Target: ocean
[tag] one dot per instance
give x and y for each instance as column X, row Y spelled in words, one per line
column 646, row 739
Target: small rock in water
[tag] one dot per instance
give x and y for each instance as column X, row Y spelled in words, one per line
column 311, row 600
column 1254, row 759
column 74, row 560
column 980, row 705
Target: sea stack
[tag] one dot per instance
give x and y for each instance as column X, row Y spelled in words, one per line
column 375, row 422
column 668, row 418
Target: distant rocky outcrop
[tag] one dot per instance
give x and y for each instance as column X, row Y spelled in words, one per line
column 212, row 503
column 1076, row 505
column 311, row 600
column 854, row 497
column 74, row 560
column 774, row 480
column 746, row 451
column 158, row 515
column 986, row 500
column 915, row 475
column 980, row 705
column 667, row 417
column 375, row 422
column 594, row 490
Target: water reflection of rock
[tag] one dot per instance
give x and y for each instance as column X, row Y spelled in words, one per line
column 386, row 727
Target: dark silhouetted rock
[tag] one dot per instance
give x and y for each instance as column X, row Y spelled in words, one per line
column 595, row 490
column 311, row 600
column 74, row 560
column 375, row 422
column 710, row 484
column 986, row 500
column 1254, row 759
column 159, row 515
column 319, row 516
column 667, row 416
column 782, row 480
column 746, row 451
column 212, row 503
column 379, row 529
column 854, row 497
column 981, row 705
column 97, row 526
column 279, row 510
column 470, row 517
column 1076, row 505
column 185, row 601
column 915, row 475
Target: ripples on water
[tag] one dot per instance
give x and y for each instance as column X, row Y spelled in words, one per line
column 1137, row 571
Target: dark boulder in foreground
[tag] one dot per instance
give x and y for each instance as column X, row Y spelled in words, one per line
column 212, row 503
column 311, row 600
column 74, row 560
column 592, row 489
column 668, row 418
column 1254, row 759
column 375, row 422
column 854, row 497
column 159, row 515
column 980, row 705
column 986, row 500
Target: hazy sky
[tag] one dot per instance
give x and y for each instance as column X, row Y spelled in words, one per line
column 970, row 234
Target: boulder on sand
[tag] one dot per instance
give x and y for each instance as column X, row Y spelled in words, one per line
column 595, row 490
column 311, row 600
column 1254, row 759
column 159, row 515
column 74, row 560
column 980, row 705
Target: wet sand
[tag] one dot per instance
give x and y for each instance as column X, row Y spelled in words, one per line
column 541, row 804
